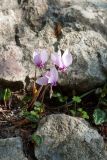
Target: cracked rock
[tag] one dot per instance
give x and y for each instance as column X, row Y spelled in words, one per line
column 68, row 138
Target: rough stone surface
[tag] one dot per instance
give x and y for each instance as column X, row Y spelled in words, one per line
column 68, row 138
column 26, row 25
column 11, row 149
column 13, row 63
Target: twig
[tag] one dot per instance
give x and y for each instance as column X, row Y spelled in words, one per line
column 35, row 98
column 43, row 93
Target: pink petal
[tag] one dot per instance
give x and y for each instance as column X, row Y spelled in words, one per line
column 53, row 76
column 35, row 53
column 54, row 58
column 67, row 58
column 47, row 74
column 36, row 58
column 42, row 81
column 60, row 60
column 44, row 56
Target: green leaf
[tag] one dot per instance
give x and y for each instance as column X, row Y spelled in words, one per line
column 7, row 94
column 104, row 91
column 37, row 109
column 30, row 116
column 38, row 104
column 73, row 112
column 76, row 99
column 56, row 94
column 99, row 116
column 80, row 109
column 37, row 139
column 85, row 115
column 61, row 99
column 33, row 113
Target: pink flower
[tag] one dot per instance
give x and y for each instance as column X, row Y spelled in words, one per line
column 62, row 61
column 51, row 77
column 40, row 58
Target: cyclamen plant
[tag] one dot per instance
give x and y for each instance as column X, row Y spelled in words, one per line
column 62, row 63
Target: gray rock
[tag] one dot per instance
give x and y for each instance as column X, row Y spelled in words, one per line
column 34, row 13
column 11, row 149
column 68, row 138
column 30, row 24
column 13, row 63
column 10, row 17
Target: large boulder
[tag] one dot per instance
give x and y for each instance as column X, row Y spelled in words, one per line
column 26, row 25
column 68, row 138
